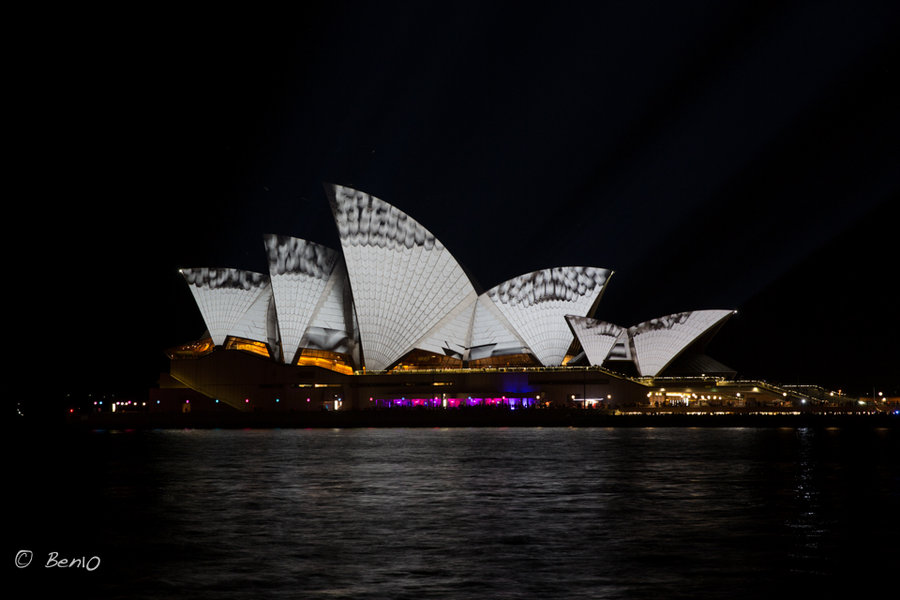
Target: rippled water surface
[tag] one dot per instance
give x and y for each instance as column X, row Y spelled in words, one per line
column 461, row 513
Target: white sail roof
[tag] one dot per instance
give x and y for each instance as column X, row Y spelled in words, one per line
column 231, row 301
column 394, row 287
column 300, row 271
column 658, row 342
column 597, row 338
column 404, row 281
column 492, row 333
column 536, row 305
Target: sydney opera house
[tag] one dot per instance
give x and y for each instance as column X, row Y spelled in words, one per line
column 391, row 319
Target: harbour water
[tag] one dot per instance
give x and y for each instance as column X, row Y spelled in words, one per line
column 457, row 512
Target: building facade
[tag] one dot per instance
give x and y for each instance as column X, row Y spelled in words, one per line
column 392, row 319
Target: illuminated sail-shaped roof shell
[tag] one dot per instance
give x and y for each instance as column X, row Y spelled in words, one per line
column 658, row 342
column 300, row 271
column 621, row 350
column 536, row 305
column 404, row 281
column 452, row 331
column 597, row 338
column 492, row 332
column 333, row 324
column 225, row 298
column 334, row 308
column 257, row 322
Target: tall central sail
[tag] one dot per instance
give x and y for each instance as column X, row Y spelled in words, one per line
column 404, row 281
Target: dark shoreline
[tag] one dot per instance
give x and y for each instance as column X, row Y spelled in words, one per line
column 467, row 418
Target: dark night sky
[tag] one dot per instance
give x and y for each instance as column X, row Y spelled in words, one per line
column 713, row 154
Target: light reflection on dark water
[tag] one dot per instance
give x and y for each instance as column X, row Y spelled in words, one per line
column 462, row 513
